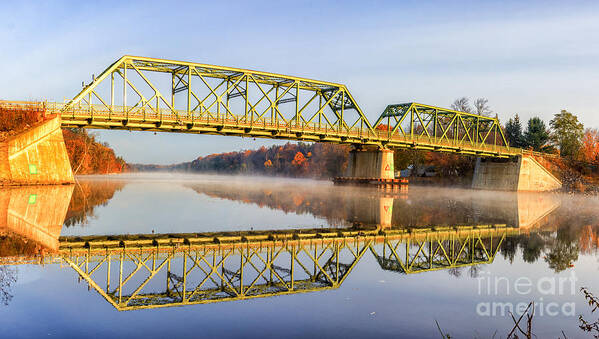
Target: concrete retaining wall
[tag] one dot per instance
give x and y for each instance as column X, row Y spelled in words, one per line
column 370, row 164
column 522, row 174
column 37, row 156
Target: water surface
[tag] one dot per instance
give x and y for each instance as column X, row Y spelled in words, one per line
column 266, row 257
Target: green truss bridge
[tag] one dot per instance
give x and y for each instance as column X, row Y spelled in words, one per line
column 146, row 94
column 138, row 93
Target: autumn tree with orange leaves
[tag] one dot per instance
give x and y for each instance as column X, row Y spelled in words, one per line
column 590, row 145
column 88, row 156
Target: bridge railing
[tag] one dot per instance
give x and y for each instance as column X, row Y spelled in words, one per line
column 152, row 119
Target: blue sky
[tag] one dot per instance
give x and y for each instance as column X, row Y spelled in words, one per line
column 531, row 58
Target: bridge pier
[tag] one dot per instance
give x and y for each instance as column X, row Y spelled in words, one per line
column 371, row 164
column 522, row 173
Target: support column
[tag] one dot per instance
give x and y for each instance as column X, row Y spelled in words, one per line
column 371, row 164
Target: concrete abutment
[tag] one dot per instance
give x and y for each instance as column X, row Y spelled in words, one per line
column 522, row 173
column 36, row 156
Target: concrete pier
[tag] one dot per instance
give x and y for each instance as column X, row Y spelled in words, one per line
column 368, row 163
column 37, row 156
column 523, row 173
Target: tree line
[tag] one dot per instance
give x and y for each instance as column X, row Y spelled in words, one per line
column 89, row 156
column 320, row 160
column 564, row 135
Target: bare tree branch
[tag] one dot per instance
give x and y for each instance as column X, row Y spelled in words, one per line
column 462, row 105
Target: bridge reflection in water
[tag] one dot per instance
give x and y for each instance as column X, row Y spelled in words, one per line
column 160, row 270
column 146, row 271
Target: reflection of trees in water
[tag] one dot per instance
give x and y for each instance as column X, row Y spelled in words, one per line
column 532, row 247
column 86, row 197
column 298, row 200
column 563, row 251
column 455, row 271
column 570, row 230
column 14, row 246
column 8, row 277
column 339, row 206
column 560, row 251
column 473, row 271
column 509, row 247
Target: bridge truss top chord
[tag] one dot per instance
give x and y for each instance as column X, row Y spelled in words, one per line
column 139, row 93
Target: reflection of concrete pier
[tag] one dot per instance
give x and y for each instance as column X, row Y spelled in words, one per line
column 35, row 213
column 390, row 210
column 534, row 208
column 524, row 210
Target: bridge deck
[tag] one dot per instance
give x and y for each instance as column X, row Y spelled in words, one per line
column 123, row 119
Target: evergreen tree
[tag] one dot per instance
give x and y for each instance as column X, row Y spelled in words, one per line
column 567, row 133
column 513, row 132
column 536, row 135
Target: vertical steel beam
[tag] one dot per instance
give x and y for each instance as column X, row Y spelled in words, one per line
column 173, row 90
column 184, row 287
column 412, row 122
column 111, row 95
column 274, row 104
column 320, row 113
column 108, row 272
column 297, row 113
column 341, row 121
column 241, row 269
column 125, row 90
column 189, row 94
column 247, row 98
column 293, row 254
column 121, row 259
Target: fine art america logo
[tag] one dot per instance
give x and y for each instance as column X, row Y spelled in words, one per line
column 543, row 290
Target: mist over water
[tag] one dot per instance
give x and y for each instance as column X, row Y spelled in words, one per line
column 446, row 248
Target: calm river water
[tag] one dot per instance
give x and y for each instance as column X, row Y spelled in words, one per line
column 160, row 255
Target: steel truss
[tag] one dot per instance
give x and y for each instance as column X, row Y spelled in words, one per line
column 215, row 99
column 199, row 98
column 148, row 271
column 451, row 131
column 438, row 252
